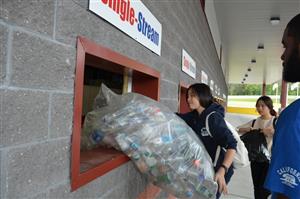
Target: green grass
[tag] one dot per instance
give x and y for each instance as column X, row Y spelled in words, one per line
column 254, row 100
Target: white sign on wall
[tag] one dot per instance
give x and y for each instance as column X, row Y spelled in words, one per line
column 211, row 85
column 216, row 89
column 188, row 64
column 133, row 18
column 224, row 96
column 204, row 78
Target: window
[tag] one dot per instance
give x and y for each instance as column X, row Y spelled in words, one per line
column 96, row 64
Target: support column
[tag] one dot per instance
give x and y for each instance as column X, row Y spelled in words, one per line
column 202, row 2
column 283, row 96
column 264, row 89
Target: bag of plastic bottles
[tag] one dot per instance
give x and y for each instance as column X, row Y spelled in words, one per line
column 161, row 145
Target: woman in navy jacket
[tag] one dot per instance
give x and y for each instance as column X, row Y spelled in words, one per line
column 200, row 101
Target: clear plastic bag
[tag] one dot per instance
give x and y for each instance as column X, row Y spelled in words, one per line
column 161, row 145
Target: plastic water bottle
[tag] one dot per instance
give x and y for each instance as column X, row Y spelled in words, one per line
column 96, row 136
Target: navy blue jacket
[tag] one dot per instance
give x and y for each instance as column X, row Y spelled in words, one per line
column 221, row 135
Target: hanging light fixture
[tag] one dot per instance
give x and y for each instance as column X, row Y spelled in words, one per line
column 275, row 21
column 260, row 47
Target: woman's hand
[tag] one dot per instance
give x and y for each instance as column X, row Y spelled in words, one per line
column 220, row 179
column 219, row 176
column 269, row 131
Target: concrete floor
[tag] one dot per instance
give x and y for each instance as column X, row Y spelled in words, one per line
column 240, row 186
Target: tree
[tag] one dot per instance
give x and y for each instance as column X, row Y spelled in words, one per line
column 245, row 89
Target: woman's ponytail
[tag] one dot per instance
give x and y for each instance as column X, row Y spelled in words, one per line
column 273, row 112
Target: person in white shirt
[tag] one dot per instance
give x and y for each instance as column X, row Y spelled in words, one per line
column 265, row 123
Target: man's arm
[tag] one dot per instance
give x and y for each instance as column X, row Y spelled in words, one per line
column 280, row 196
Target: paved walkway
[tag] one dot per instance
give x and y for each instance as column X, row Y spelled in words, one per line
column 240, row 186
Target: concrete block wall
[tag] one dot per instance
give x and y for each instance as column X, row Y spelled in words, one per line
column 37, row 70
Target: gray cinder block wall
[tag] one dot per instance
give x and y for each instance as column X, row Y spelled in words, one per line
column 37, row 69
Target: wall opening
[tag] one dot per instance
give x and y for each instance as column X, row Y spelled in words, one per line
column 93, row 78
column 183, row 106
column 96, row 65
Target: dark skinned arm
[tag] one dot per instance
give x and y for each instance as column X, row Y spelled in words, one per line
column 281, row 196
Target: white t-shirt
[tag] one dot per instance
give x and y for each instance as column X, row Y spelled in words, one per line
column 260, row 124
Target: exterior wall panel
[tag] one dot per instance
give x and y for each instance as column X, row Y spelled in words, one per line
column 37, row 69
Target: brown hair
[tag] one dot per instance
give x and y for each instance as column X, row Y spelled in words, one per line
column 269, row 103
column 203, row 92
